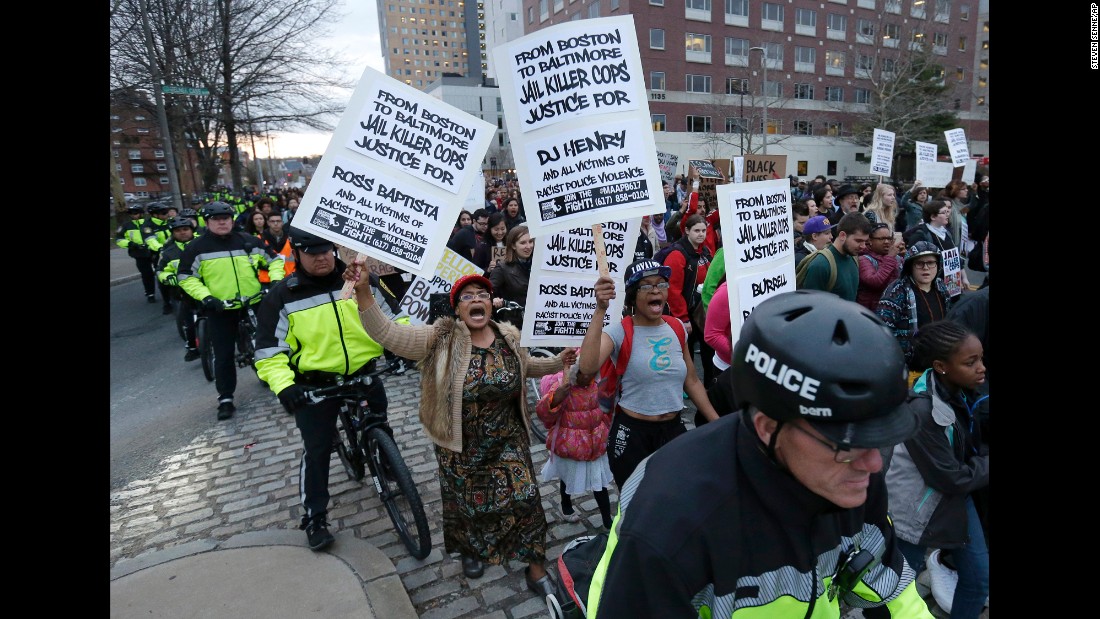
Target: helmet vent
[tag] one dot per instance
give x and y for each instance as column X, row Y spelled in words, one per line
column 795, row 313
column 840, row 333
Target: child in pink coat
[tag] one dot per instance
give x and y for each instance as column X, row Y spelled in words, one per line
column 577, row 439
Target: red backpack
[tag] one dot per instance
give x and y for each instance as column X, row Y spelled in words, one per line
column 609, row 387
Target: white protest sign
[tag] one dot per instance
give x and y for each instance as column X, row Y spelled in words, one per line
column 757, row 234
column 956, row 145
column 952, row 271
column 925, row 154
column 667, row 163
column 738, row 175
column 475, row 199
column 416, row 304
column 388, row 181
column 882, row 152
column 559, row 302
column 602, row 163
column 939, row 173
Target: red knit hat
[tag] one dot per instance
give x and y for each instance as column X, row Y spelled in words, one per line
column 466, row 280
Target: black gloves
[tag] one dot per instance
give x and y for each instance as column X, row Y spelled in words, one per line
column 294, row 397
column 171, row 280
column 212, row 304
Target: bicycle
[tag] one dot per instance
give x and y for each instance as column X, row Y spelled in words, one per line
column 363, row 442
column 246, row 335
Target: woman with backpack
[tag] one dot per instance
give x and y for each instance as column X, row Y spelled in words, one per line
column 645, row 386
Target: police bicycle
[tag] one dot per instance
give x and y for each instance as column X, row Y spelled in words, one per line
column 364, row 443
column 245, row 338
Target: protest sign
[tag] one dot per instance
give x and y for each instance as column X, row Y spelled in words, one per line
column 765, row 167
column 667, row 163
column 602, row 163
column 559, row 302
column 952, row 271
column 416, row 304
column 758, row 237
column 737, row 170
column 709, row 176
column 882, row 152
column 956, row 145
column 395, row 174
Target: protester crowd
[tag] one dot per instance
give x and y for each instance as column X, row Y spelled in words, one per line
column 872, row 245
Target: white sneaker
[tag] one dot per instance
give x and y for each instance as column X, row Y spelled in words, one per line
column 943, row 579
column 574, row 517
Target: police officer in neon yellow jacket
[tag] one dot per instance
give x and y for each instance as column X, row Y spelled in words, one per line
column 221, row 266
column 132, row 237
column 307, row 336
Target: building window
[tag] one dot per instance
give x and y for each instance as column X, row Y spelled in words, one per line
column 137, row 168
column 964, row 12
column 143, row 130
column 737, row 47
column 803, row 91
column 803, row 127
column 865, row 63
column 805, row 55
column 985, row 45
column 699, row 5
column 983, row 64
column 139, row 117
column 594, row 10
column 773, row 12
column 694, row 42
column 960, row 73
column 834, row 63
column 737, row 86
column 158, row 154
column 162, row 167
column 698, row 124
column 982, row 82
column 888, row 66
column 735, row 124
column 139, row 181
column 865, row 28
column 775, row 126
column 544, row 9
column 833, row 128
column 133, row 154
column 805, row 17
column 834, row 93
column 962, row 44
column 656, row 80
column 939, row 39
column 981, row 99
column 737, row 7
column 773, row 89
column 614, row 4
column 774, row 51
column 943, row 10
column 164, row 180
column 657, row 2
column 837, row 23
column 863, row 95
column 530, row 14
column 890, row 32
column 658, row 122
column 697, row 83
column 656, row 38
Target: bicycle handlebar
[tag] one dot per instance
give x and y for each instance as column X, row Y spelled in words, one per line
column 242, row 301
column 344, row 385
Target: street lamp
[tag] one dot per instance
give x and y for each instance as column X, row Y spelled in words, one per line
column 764, row 92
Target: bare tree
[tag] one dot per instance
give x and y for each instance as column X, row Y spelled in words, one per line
column 260, row 60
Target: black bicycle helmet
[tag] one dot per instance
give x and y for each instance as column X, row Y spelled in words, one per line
column 811, row 354
column 217, row 208
column 189, row 212
column 135, row 208
column 308, row 242
column 179, row 222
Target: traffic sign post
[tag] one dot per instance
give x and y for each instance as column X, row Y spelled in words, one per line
column 183, row 90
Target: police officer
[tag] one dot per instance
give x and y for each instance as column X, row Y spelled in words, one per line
column 183, row 231
column 220, row 266
column 307, row 335
column 132, row 236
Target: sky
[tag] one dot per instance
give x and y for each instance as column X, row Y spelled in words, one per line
column 357, row 37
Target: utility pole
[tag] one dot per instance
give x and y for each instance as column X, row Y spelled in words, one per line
column 166, row 136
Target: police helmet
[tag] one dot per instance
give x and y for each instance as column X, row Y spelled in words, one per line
column 179, row 222
column 810, row 354
column 217, row 208
column 135, row 208
column 309, row 243
column 189, row 212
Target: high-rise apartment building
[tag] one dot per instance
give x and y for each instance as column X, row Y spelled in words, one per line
column 423, row 40
column 704, row 63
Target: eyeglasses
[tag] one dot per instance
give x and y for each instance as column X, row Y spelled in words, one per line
column 925, row 264
column 848, row 454
column 882, row 238
column 648, row 287
column 480, row 296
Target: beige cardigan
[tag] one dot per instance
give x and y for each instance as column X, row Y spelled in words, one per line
column 444, row 351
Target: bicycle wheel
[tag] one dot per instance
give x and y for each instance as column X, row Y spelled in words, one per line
column 206, row 348
column 534, row 395
column 398, row 492
column 346, row 443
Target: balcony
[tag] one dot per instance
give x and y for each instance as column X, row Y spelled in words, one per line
column 693, row 56
column 804, row 67
column 696, row 15
column 771, row 24
column 835, row 35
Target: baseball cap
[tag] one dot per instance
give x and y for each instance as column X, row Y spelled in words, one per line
column 816, row 224
column 644, row 268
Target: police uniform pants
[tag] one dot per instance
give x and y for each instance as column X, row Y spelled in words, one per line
column 223, row 333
